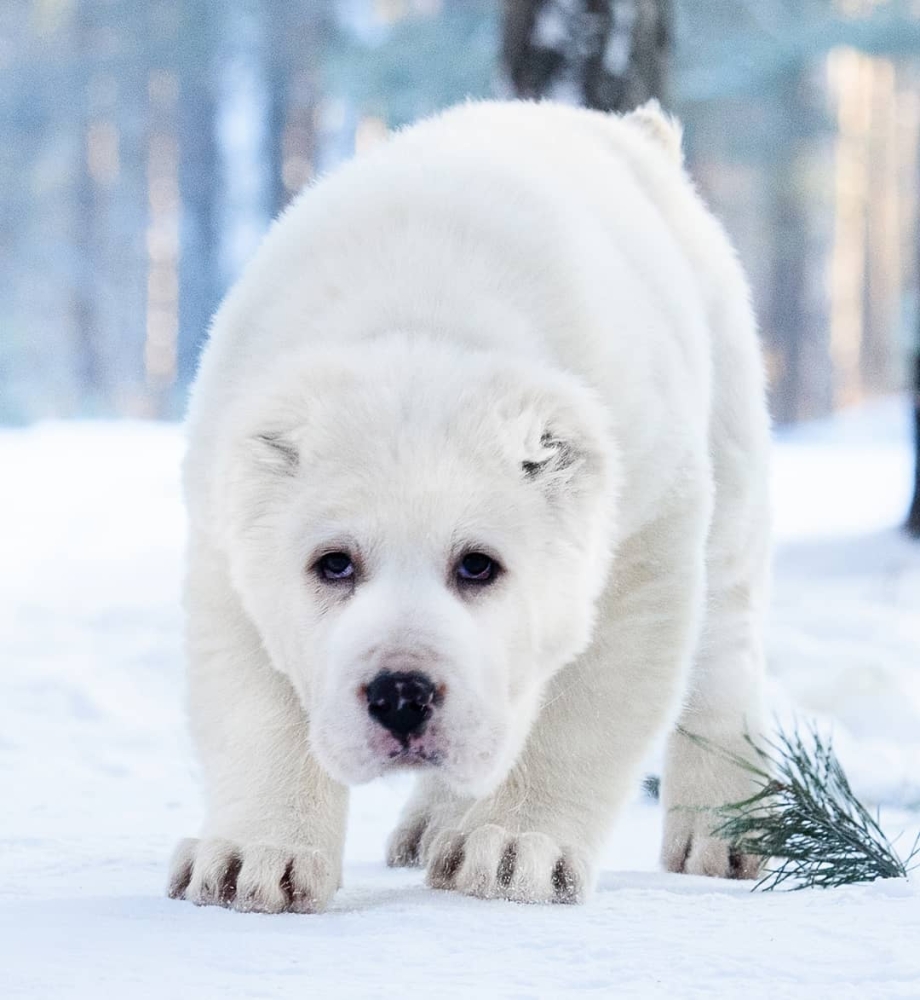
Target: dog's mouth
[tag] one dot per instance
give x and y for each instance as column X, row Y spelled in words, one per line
column 414, row 756
column 427, row 748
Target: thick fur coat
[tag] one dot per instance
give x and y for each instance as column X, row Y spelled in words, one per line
column 477, row 484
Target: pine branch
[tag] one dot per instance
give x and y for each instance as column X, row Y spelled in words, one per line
column 805, row 818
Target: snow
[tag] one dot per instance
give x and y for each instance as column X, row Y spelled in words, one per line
column 845, row 638
column 97, row 780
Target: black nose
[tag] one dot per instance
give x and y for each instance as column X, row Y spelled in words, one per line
column 400, row 702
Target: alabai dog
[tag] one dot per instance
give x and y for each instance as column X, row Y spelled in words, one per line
column 477, row 487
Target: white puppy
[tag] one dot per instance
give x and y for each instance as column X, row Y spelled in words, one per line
column 477, row 484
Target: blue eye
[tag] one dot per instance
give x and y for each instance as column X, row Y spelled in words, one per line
column 477, row 567
column 335, row 566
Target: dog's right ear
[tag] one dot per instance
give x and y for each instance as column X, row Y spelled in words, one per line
column 276, row 452
column 660, row 127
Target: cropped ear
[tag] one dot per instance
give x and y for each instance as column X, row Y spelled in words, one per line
column 563, row 443
column 557, row 457
column 276, row 452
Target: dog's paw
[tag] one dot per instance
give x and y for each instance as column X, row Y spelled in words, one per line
column 688, row 846
column 251, row 878
column 697, row 781
column 492, row 863
column 410, row 843
column 404, row 847
column 431, row 810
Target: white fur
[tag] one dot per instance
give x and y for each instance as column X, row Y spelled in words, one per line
column 516, row 328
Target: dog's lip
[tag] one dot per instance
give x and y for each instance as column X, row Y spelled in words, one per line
column 413, row 756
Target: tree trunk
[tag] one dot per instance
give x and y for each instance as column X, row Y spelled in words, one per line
column 796, row 327
column 199, row 185
column 913, row 518
column 601, row 54
column 298, row 34
column 91, row 372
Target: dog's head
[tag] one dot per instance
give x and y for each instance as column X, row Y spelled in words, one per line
column 421, row 536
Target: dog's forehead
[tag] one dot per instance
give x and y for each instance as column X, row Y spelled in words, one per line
column 384, row 459
column 434, row 495
column 433, row 498
column 434, row 446
column 412, row 402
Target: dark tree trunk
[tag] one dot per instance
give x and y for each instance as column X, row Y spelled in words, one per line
column 605, row 55
column 913, row 518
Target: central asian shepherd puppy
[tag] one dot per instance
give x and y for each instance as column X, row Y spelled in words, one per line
column 477, row 485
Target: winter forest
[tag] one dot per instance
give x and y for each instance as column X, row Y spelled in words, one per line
column 146, row 146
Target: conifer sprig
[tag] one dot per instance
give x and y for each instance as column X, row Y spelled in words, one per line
column 805, row 820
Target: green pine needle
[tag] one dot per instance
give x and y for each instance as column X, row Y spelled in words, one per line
column 805, row 818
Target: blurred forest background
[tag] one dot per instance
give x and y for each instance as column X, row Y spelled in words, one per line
column 146, row 145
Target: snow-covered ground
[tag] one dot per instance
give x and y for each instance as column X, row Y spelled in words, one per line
column 96, row 779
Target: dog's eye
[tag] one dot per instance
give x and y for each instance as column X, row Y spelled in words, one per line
column 477, row 567
column 335, row 566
